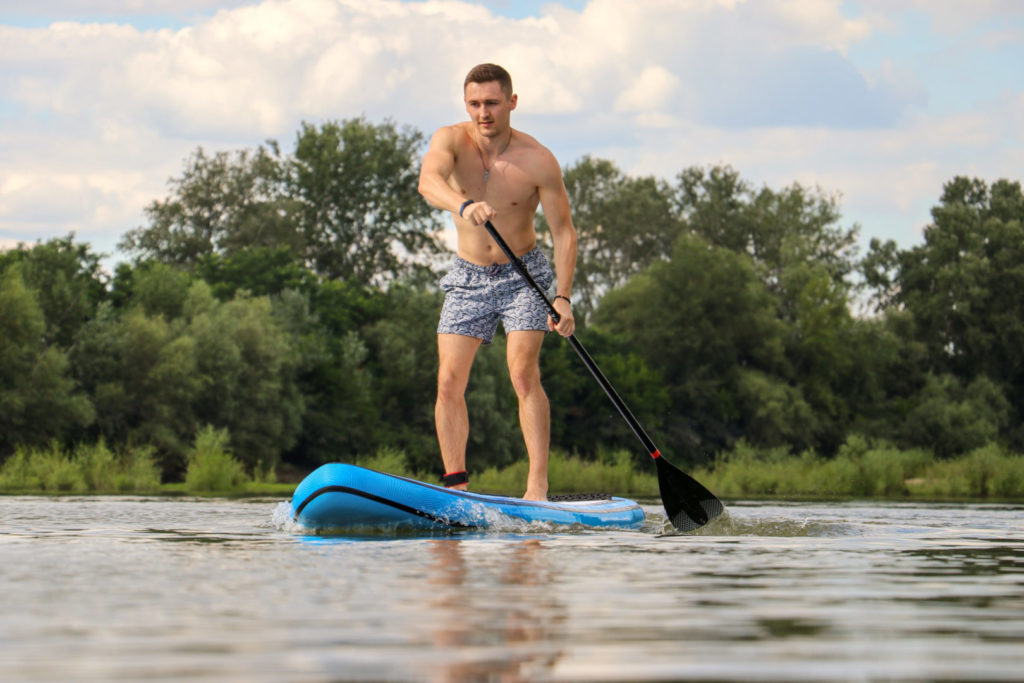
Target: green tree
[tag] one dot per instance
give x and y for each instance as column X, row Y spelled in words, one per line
column 360, row 212
column 342, row 417
column 402, row 359
column 805, row 259
column 256, row 270
column 38, row 398
column 220, row 203
column 715, row 335
column 880, row 268
column 952, row 419
column 776, row 228
column 159, row 289
column 583, row 419
column 141, row 373
column 964, row 288
column 68, row 282
column 623, row 225
column 344, row 203
column 174, row 357
column 248, row 367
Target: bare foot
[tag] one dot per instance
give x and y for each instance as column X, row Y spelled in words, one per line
column 532, row 495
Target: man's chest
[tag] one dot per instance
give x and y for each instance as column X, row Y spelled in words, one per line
column 505, row 183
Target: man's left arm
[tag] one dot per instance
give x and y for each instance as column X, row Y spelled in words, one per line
column 554, row 200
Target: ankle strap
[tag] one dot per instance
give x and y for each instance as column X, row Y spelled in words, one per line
column 455, row 478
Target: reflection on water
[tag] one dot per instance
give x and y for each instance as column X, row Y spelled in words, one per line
column 505, row 624
column 145, row 588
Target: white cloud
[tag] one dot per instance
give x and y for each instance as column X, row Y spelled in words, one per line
column 892, row 176
column 94, row 117
column 650, row 91
column 950, row 16
column 119, row 8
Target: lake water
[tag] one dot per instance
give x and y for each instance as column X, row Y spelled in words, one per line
column 96, row 588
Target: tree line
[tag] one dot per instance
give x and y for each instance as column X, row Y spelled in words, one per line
column 289, row 298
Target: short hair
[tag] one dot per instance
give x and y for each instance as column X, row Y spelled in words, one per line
column 485, row 73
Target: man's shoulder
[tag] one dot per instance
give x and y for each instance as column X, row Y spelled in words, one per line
column 529, row 142
column 538, row 156
column 449, row 134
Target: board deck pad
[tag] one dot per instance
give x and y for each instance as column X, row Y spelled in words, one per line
column 579, row 497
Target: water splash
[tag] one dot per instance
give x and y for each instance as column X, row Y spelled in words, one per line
column 732, row 525
column 283, row 519
column 491, row 522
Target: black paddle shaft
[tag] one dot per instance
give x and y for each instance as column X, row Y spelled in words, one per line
column 576, row 345
column 689, row 505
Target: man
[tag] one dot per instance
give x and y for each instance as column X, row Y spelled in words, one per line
column 484, row 170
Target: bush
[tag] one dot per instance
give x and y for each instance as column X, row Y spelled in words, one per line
column 138, row 470
column 860, row 468
column 18, row 473
column 389, row 460
column 92, row 468
column 986, row 472
column 211, row 467
column 97, row 465
column 49, row 469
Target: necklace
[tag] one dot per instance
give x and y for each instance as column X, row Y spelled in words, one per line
column 487, row 169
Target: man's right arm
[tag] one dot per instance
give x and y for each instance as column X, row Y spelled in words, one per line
column 437, row 167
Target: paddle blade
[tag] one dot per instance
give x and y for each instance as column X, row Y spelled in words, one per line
column 688, row 504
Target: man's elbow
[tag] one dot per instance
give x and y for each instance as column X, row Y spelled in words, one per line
column 566, row 234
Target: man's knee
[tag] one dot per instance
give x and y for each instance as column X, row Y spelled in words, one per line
column 525, row 380
column 451, row 387
column 455, row 360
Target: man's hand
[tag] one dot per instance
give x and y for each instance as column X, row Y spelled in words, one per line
column 478, row 213
column 566, row 323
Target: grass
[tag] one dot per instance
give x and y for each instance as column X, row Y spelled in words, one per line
column 861, row 469
column 611, row 473
column 865, row 470
column 88, row 468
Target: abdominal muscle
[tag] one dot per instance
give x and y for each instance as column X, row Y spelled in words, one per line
column 477, row 246
column 511, row 191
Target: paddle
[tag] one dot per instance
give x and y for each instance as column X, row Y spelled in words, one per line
column 688, row 504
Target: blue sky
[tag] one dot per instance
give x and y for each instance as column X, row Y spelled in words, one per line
column 877, row 101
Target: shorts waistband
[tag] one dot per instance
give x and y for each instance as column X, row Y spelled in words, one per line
column 496, row 268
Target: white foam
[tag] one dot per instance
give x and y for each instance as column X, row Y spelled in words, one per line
column 283, row 519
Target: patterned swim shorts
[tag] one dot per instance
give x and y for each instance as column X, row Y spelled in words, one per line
column 477, row 297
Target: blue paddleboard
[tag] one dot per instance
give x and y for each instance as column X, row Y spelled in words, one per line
column 340, row 496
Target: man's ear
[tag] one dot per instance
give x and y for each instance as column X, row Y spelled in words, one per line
column 513, row 101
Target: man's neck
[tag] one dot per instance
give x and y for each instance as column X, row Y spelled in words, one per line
column 494, row 144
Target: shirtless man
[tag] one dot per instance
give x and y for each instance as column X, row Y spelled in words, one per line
column 484, row 170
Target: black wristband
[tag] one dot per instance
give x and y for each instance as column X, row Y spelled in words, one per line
column 464, row 205
column 567, row 300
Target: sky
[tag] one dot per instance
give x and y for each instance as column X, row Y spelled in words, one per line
column 878, row 102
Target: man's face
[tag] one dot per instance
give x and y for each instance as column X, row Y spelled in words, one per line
column 488, row 107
